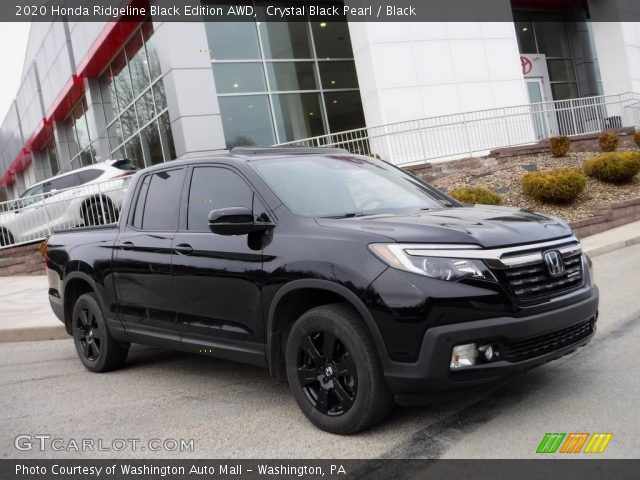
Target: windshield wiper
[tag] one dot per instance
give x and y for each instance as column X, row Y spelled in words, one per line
column 348, row 215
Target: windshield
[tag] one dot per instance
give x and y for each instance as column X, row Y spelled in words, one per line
column 338, row 186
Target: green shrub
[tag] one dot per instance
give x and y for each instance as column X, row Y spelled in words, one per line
column 613, row 167
column 559, row 146
column 636, row 138
column 608, row 141
column 474, row 195
column 561, row 185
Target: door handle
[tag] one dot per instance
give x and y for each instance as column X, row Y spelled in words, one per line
column 183, row 249
column 127, row 245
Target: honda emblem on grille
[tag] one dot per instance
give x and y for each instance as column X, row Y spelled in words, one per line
column 553, row 261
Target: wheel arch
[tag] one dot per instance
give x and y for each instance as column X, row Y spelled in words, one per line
column 97, row 197
column 75, row 285
column 283, row 311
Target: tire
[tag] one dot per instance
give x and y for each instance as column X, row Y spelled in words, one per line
column 97, row 349
column 96, row 213
column 334, row 371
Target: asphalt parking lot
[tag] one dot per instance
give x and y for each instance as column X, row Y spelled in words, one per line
column 232, row 410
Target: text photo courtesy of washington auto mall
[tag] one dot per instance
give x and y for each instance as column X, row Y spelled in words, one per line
column 350, row 239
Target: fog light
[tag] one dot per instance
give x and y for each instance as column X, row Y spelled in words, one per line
column 463, row 356
column 489, row 352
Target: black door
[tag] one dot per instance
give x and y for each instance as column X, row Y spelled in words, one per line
column 217, row 279
column 143, row 259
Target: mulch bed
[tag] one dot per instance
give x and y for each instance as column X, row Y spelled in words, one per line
column 505, row 179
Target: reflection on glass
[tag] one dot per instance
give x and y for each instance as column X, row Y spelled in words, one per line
column 129, row 122
column 52, row 156
column 553, row 37
column 233, row 40
column 298, row 115
column 71, row 136
column 564, row 91
column 159, row 96
column 152, row 51
column 137, row 64
column 134, row 151
column 561, row 71
column 239, row 77
column 115, row 134
column 344, row 111
column 283, row 40
column 151, row 145
column 108, row 93
column 291, row 76
column 166, row 137
column 82, row 129
column 122, row 80
column 332, row 39
column 145, row 109
column 86, row 156
column 338, row 75
column 246, row 120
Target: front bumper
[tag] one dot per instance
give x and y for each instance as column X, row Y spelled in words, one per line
column 431, row 372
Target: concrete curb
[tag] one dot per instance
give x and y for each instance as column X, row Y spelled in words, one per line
column 611, row 247
column 33, row 334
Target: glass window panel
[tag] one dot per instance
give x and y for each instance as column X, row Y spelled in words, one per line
column 284, row 40
column 108, row 93
column 564, row 91
column 115, row 134
column 118, row 154
column 524, row 32
column 166, row 137
column 292, row 76
column 71, row 137
column 561, row 71
column 298, row 115
column 122, row 80
column 134, row 151
column 137, row 64
column 53, row 158
column 338, row 75
column 213, row 188
column 232, row 40
column 553, row 38
column 159, row 96
column 332, row 39
column 344, row 110
column 152, row 51
column 246, row 121
column 129, row 122
column 163, row 201
column 239, row 77
column 151, row 145
column 86, row 156
column 145, row 108
column 90, row 175
column 82, row 129
column 140, row 203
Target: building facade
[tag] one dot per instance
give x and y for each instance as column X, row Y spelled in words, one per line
column 153, row 91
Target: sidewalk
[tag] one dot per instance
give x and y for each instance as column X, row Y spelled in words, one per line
column 25, row 313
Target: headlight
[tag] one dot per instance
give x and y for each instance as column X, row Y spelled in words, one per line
column 450, row 269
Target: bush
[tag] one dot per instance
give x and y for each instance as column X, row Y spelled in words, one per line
column 613, row 167
column 608, row 141
column 561, row 185
column 636, row 138
column 559, row 146
column 474, row 195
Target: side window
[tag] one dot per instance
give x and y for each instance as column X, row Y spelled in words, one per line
column 213, row 188
column 87, row 176
column 68, row 181
column 162, row 201
column 139, row 208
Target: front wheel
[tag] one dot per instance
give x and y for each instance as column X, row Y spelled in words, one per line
column 334, row 371
column 98, row 351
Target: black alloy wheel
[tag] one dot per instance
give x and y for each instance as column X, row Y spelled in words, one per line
column 89, row 333
column 327, row 373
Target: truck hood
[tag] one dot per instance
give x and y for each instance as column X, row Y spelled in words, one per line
column 480, row 225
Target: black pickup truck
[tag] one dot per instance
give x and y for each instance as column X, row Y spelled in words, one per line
column 359, row 284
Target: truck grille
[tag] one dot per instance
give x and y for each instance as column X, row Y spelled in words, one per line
column 533, row 281
column 534, row 347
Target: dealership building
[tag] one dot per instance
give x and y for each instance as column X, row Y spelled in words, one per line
column 153, row 91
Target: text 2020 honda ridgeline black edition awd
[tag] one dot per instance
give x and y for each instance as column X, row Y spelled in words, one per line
column 355, row 281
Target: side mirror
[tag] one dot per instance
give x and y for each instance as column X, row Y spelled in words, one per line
column 236, row 221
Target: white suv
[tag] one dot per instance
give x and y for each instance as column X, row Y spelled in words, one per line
column 86, row 196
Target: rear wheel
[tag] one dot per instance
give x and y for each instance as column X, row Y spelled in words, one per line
column 334, row 371
column 98, row 351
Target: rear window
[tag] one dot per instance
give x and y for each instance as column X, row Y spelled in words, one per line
column 126, row 165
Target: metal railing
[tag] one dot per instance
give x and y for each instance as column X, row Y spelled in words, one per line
column 476, row 133
column 30, row 219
